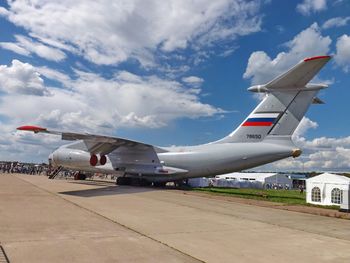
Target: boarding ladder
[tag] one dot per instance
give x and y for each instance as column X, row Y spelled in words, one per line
column 55, row 172
column 3, row 256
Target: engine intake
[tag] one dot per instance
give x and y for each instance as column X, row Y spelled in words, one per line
column 103, row 159
column 93, row 160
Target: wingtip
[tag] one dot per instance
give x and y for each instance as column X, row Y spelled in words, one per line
column 317, row 57
column 31, row 128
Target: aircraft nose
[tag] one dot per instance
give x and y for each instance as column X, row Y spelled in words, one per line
column 51, row 161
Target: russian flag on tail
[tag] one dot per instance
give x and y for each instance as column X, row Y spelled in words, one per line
column 261, row 119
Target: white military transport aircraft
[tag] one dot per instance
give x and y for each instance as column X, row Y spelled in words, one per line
column 263, row 137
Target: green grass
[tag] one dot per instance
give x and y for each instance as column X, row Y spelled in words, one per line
column 281, row 196
column 289, row 197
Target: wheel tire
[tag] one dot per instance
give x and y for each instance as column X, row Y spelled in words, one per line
column 159, row 184
column 123, row 181
column 144, row 182
column 120, row 181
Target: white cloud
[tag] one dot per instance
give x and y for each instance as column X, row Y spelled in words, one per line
column 26, row 46
column 310, row 6
column 325, row 142
column 319, row 154
column 106, row 33
column 304, row 126
column 336, row 22
column 3, row 12
column 228, row 52
column 337, row 159
column 342, row 56
column 89, row 102
column 54, row 75
column 25, row 146
column 193, row 81
column 21, row 78
column 15, row 47
column 309, row 42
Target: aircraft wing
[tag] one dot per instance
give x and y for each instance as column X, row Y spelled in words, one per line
column 300, row 74
column 96, row 144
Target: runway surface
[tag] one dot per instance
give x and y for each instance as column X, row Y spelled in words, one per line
column 44, row 220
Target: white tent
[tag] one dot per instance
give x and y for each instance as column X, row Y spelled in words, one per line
column 327, row 189
column 199, row 182
column 253, row 180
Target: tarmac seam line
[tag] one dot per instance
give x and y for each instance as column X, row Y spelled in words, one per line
column 113, row 221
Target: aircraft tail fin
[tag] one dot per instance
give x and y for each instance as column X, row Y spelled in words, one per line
column 287, row 100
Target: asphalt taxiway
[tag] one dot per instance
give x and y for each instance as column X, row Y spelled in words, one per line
column 44, row 220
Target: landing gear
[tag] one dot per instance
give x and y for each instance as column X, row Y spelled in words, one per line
column 144, row 182
column 159, row 184
column 79, row 176
column 132, row 181
column 181, row 183
column 123, row 181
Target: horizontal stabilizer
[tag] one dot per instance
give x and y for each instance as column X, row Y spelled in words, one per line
column 316, row 100
column 285, row 103
column 299, row 75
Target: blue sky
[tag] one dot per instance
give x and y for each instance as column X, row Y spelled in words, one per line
column 167, row 73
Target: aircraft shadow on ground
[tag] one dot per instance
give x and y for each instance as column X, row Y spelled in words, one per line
column 94, row 182
column 109, row 189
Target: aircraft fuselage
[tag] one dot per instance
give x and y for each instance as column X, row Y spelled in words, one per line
column 190, row 161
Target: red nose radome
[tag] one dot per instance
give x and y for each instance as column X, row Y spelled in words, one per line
column 31, row 128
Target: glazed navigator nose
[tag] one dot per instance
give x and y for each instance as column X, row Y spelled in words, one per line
column 51, row 161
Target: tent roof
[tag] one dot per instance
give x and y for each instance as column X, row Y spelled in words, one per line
column 329, row 178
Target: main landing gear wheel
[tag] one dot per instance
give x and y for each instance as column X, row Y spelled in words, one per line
column 79, row 176
column 123, row 181
column 159, row 184
column 132, row 181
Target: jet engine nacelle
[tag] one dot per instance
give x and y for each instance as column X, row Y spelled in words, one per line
column 76, row 158
column 71, row 157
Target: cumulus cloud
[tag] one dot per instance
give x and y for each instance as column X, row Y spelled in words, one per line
column 319, row 154
column 320, row 160
column 336, row 22
column 311, row 6
column 92, row 103
column 262, row 68
column 23, row 146
column 325, row 142
column 342, row 56
column 106, row 33
column 88, row 102
column 305, row 125
column 21, row 78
